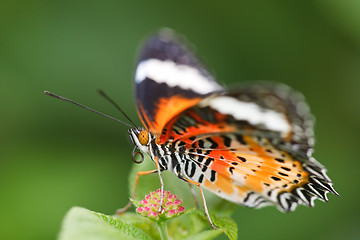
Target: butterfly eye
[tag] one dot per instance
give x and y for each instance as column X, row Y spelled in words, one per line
column 143, row 137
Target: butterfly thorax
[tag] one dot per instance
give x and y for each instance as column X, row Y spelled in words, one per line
column 167, row 154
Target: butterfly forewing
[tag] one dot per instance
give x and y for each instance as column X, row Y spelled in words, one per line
column 169, row 79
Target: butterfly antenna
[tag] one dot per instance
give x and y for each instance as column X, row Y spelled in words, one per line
column 103, row 94
column 87, row 108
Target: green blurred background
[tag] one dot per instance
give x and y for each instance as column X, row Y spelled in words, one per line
column 55, row 156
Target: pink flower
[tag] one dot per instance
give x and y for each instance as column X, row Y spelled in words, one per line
column 150, row 206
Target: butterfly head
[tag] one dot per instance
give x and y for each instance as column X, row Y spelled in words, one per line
column 141, row 138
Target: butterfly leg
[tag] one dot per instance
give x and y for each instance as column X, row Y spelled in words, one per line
column 193, row 193
column 161, row 183
column 138, row 174
column 204, row 201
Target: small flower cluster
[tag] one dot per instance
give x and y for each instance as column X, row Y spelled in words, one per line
column 150, row 206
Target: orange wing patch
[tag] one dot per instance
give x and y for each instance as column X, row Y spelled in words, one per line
column 168, row 108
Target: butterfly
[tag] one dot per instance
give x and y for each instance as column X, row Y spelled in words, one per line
column 252, row 145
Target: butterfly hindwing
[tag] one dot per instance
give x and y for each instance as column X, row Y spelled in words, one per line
column 249, row 158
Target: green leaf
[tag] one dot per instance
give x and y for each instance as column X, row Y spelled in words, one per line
column 206, row 235
column 143, row 223
column 227, row 224
column 80, row 223
column 223, row 223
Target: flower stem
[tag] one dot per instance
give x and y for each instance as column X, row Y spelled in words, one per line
column 162, row 229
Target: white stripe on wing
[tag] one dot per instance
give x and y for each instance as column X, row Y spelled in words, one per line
column 174, row 75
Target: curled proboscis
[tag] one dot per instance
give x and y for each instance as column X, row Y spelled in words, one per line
column 134, row 156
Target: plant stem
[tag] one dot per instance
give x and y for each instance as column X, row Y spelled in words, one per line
column 163, row 230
